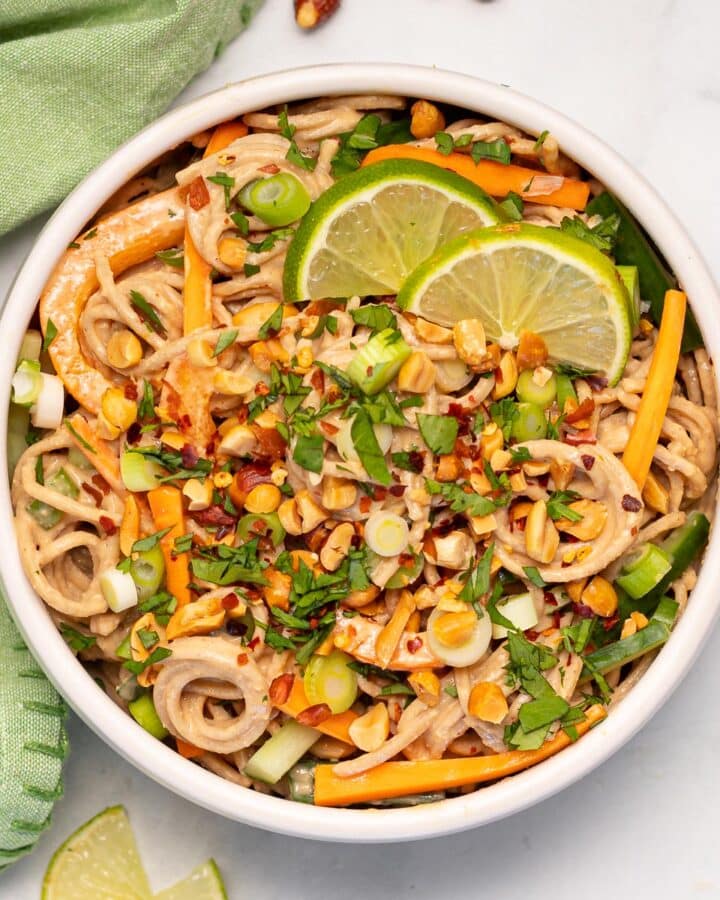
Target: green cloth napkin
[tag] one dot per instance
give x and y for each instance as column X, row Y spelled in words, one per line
column 78, row 77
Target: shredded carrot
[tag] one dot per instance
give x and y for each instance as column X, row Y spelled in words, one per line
column 166, row 506
column 495, row 178
column 396, row 779
column 646, row 429
column 336, row 726
column 224, row 135
column 187, row 750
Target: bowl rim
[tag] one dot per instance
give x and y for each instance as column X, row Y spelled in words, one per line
column 113, row 725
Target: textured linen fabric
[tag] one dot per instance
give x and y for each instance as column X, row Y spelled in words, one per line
column 78, row 77
column 33, row 745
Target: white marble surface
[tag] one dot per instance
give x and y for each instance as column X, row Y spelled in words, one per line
column 643, row 74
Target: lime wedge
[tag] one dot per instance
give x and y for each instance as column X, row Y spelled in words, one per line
column 100, row 860
column 203, row 883
column 370, row 229
column 523, row 277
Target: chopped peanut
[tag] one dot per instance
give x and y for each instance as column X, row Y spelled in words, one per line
column 238, row 441
column 389, row 637
column 483, row 526
column 199, row 493
column 263, row 499
column 338, row 493
column 470, row 343
column 506, row 376
column 541, row 536
column 594, row 516
column 265, row 353
column 640, row 619
column 500, row 461
column 426, row 686
column 232, row 383
column 480, row 482
column 370, row 731
column 337, row 546
column 417, row 373
column 655, row 495
column 491, row 439
column 426, row 120
column 601, row 597
column 290, row 517
column 277, row 591
column 199, row 617
column 433, row 334
column 255, row 315
column 232, row 252
column 124, row 349
column 449, row 468
column 562, row 473
column 359, row 599
column 518, row 482
column 453, row 629
column 487, row 702
column 532, row 351
column 575, row 589
column 174, row 439
column 311, row 514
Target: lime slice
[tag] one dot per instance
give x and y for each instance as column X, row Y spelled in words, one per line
column 100, row 860
column 203, row 883
column 523, row 277
column 370, row 229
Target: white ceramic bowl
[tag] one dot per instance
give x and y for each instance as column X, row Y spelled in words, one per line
column 117, row 728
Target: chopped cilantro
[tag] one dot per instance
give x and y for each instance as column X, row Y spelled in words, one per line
column 557, row 509
column 460, row 500
column 76, row 640
column 273, row 324
column 498, row 150
column 227, row 182
column 308, row 452
column 50, row 334
column 151, row 541
column 173, row 257
column 533, row 576
column 374, row 316
column 601, row 236
column 224, row 341
column 147, row 313
column 438, row 432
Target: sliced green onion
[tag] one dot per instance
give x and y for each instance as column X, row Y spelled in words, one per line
column 624, row 651
column 139, row 472
column 143, row 711
column 254, row 524
column 45, row 515
column 77, row 458
column 123, row 649
column 26, row 382
column 406, row 574
column 376, row 364
column 278, row 200
column 631, row 280
column 565, row 390
column 529, row 391
column 644, row 571
column 118, row 589
column 518, row 609
column 530, row 423
column 386, row 534
column 280, row 752
column 147, row 570
column 467, row 653
column 47, row 410
column 301, row 779
column 328, row 679
column 31, row 345
column 18, row 422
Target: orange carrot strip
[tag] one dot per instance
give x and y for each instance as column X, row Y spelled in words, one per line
column 197, row 294
column 396, row 779
column 225, row 134
column 646, row 429
column 336, row 726
column 495, row 178
column 187, row 750
column 166, row 506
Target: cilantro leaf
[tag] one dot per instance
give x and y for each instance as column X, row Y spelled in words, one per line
column 460, row 500
column 308, row 452
column 533, row 576
column 147, row 313
column 227, row 182
column 368, row 449
column 76, row 640
column 513, row 206
column 477, row 580
column 50, row 334
column 438, row 432
column 224, row 341
column 374, row 316
column 498, row 150
column 444, row 143
column 152, row 540
column 272, row 324
column 601, row 236
column 557, row 509
column 137, row 667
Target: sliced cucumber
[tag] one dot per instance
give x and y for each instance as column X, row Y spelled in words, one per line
column 376, row 364
column 280, row 753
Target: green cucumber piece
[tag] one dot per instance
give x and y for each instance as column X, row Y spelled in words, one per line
column 280, row 752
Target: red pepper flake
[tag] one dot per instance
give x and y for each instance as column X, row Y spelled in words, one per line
column 280, row 688
column 133, row 433
column 189, row 456
column 414, row 644
column 397, row 490
column 550, row 598
column 463, row 415
column 94, row 493
column 631, row 504
column 230, row 601
column 364, row 504
column 184, row 422
column 130, row 390
column 610, row 623
column 100, row 483
column 314, row 715
column 253, row 643
column 379, row 493
column 597, row 382
column 556, row 619
column 317, row 380
column 532, row 635
column 270, row 168
column 214, row 515
column 261, row 389
column 198, row 195
column 580, row 437
column 588, row 461
column 585, row 409
column 582, row 611
column 328, row 427
column 242, row 659
column 108, row 525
